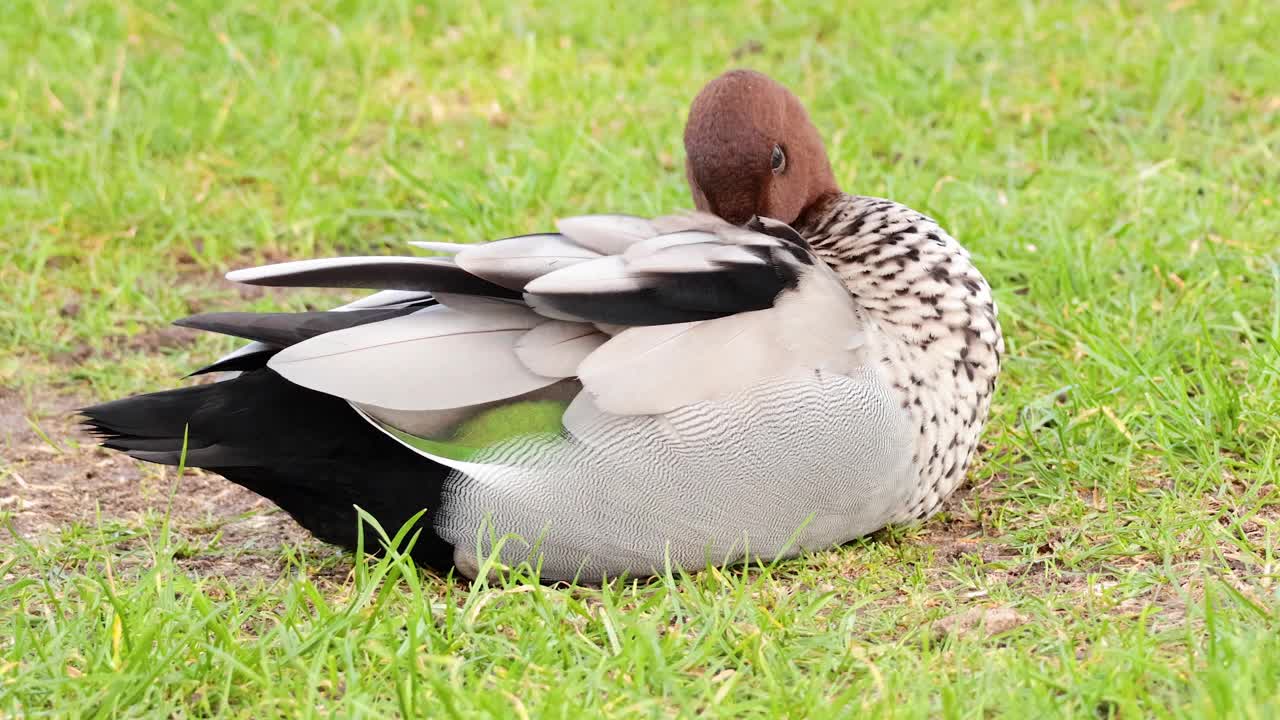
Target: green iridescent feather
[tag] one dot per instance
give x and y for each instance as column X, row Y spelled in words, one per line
column 490, row 428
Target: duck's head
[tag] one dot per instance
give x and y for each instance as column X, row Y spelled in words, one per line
column 752, row 150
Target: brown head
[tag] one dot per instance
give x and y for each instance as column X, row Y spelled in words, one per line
column 752, row 150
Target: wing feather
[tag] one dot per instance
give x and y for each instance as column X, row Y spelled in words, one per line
column 649, row 315
column 606, row 234
column 556, row 348
column 382, row 273
column 514, row 262
column 434, row 359
column 685, row 276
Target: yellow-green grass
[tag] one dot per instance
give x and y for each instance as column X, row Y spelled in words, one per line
column 1114, row 167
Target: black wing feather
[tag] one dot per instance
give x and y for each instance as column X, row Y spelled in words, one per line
column 284, row 329
column 389, row 273
column 677, row 297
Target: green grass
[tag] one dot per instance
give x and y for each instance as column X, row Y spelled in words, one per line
column 1112, row 167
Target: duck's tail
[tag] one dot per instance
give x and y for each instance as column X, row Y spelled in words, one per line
column 307, row 452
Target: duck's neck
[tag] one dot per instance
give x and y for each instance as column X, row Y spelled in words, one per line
column 913, row 279
column 931, row 320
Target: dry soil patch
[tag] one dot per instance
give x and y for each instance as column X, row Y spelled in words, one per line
column 52, row 477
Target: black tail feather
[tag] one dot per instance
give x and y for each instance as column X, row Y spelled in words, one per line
column 239, row 363
column 287, row 328
column 307, row 452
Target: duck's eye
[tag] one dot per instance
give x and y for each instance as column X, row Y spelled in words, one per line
column 779, row 160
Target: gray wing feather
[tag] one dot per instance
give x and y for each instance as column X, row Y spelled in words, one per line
column 514, row 262
column 606, row 234
column 431, row 360
column 386, row 299
column 556, row 348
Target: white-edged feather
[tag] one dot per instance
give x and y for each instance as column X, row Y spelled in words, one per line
column 606, row 275
column 658, row 243
column 700, row 257
column 441, row 247
column 606, row 234
column 434, row 359
column 385, row 298
column 544, row 309
column 482, row 304
column 556, row 348
column 513, row 262
column 285, row 272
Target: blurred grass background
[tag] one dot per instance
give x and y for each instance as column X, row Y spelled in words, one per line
column 1112, row 166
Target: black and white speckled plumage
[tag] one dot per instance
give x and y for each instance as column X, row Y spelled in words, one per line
column 932, row 325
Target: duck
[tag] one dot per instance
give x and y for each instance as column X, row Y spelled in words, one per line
column 783, row 368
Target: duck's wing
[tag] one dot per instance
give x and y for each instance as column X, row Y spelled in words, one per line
column 645, row 315
column 702, row 311
column 290, row 328
column 649, row 315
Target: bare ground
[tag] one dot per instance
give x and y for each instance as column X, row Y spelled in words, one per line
column 53, row 477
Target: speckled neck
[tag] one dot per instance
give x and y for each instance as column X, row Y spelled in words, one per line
column 931, row 320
